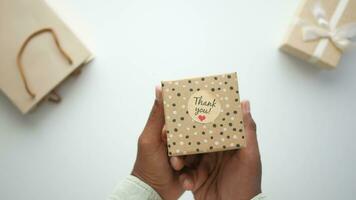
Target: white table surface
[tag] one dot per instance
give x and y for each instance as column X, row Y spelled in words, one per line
column 80, row 148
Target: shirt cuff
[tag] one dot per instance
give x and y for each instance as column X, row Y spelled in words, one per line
column 133, row 188
column 259, row 197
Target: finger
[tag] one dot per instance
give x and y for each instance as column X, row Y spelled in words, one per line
column 164, row 135
column 193, row 179
column 186, row 182
column 177, row 163
column 155, row 122
column 250, row 127
column 249, row 123
column 190, row 161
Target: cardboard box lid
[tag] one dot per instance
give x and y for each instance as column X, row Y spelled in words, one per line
column 44, row 66
column 203, row 114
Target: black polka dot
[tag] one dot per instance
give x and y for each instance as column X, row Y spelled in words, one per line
column 197, row 150
column 243, row 137
column 216, row 78
column 221, row 133
column 203, row 133
column 236, row 100
column 238, row 145
column 230, row 124
column 169, row 146
column 173, row 89
column 224, row 146
column 241, row 122
column 211, row 137
column 167, row 131
column 187, row 112
column 198, row 89
column 170, row 153
column 203, row 79
column 175, row 130
column 212, row 89
column 174, row 105
column 194, row 126
column 240, row 130
column 228, row 76
column 237, row 91
column 189, row 81
column 174, row 143
column 178, row 94
column 234, row 129
column 182, row 118
column 219, row 88
column 174, row 120
column 223, row 119
column 221, row 125
column 231, row 88
column 210, row 147
column 225, row 83
column 191, row 89
column 214, row 125
column 198, row 143
column 235, row 112
column 189, row 143
column 227, row 113
column 228, row 137
column 187, row 136
column 162, row 84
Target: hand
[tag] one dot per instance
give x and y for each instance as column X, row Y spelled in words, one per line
column 152, row 165
column 224, row 175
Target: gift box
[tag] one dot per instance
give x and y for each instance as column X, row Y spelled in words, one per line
column 321, row 31
column 38, row 52
column 203, row 115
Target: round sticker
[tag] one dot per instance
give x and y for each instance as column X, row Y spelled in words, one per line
column 203, row 107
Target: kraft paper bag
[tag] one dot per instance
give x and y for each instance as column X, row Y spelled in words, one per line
column 203, row 115
column 38, row 51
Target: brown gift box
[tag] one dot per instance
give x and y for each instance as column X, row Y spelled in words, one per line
column 338, row 13
column 50, row 51
column 203, row 115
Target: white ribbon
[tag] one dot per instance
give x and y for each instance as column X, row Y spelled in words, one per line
column 326, row 31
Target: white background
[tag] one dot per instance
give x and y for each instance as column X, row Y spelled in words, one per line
column 80, row 148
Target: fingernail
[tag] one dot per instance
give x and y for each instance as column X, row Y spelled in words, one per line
column 246, row 107
column 173, row 160
column 157, row 93
column 175, row 163
column 187, row 184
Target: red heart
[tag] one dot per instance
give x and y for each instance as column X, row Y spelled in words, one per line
column 201, row 117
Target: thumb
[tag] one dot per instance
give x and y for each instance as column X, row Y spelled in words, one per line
column 250, row 129
column 153, row 129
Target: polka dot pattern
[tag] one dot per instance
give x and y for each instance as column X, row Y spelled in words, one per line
column 186, row 136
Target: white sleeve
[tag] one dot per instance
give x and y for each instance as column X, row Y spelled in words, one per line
column 259, row 197
column 133, row 188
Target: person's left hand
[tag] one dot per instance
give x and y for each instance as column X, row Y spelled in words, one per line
column 152, row 164
column 229, row 175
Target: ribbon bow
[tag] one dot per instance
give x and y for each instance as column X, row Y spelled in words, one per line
column 341, row 37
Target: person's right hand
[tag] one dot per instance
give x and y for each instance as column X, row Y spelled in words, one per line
column 152, row 164
column 224, row 175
